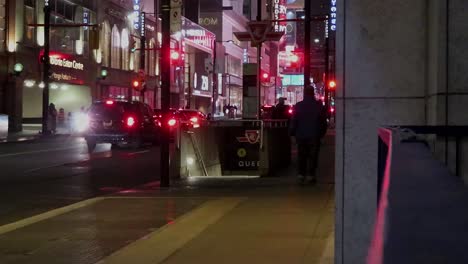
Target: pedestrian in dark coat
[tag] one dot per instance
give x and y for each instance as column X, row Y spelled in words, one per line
column 307, row 126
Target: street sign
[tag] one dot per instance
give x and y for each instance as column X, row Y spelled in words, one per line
column 258, row 32
column 176, row 20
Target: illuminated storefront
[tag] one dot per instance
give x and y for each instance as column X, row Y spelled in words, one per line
column 197, row 49
column 69, row 87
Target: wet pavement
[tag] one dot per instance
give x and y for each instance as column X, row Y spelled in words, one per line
column 88, row 234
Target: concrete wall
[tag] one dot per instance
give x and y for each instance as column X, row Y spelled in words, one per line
column 391, row 70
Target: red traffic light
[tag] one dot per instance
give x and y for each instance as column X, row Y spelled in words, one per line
column 136, row 84
column 332, row 84
column 265, row 76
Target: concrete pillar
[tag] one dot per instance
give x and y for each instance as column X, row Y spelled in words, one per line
column 382, row 80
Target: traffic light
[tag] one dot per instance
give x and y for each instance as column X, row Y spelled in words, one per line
column 265, row 77
column 332, row 85
column 136, row 84
column 103, row 74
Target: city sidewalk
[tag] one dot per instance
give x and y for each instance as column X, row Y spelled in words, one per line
column 265, row 220
column 199, row 220
column 31, row 132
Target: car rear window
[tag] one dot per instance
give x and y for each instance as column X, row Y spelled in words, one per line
column 114, row 111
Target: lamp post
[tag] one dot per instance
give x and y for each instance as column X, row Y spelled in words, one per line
column 46, row 68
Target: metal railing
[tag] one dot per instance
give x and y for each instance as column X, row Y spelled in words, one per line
column 421, row 211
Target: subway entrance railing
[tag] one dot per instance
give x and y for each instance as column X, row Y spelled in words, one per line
column 233, row 147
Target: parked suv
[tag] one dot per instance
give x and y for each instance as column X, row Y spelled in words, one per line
column 121, row 122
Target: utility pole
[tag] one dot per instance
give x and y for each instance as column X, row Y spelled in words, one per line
column 46, row 69
column 327, row 72
column 189, row 101
column 259, row 63
column 307, row 28
column 165, row 87
column 143, row 50
column 156, row 46
column 215, row 80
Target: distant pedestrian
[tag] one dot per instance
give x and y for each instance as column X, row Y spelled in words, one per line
column 52, row 118
column 281, row 110
column 308, row 126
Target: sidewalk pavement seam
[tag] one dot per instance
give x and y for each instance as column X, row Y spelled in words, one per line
column 161, row 244
column 46, row 215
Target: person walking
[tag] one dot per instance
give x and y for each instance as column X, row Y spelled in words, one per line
column 52, row 118
column 308, row 126
column 281, row 110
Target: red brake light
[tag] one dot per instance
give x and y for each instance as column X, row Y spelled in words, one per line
column 171, row 122
column 130, row 121
column 109, row 102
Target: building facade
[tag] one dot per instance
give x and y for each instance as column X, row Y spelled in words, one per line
column 76, row 69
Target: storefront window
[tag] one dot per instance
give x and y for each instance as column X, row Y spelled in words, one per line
column 105, row 44
column 62, row 39
column 233, row 66
column 29, row 18
column 115, row 48
column 151, row 58
column 125, row 50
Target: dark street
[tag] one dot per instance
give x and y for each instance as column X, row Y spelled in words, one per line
column 45, row 174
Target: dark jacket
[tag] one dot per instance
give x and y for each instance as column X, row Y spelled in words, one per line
column 280, row 112
column 309, row 121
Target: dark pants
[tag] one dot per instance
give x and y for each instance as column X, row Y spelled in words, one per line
column 308, row 153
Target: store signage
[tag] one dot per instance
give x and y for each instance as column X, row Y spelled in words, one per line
column 208, row 21
column 136, row 14
column 65, row 68
column 85, row 18
column 333, row 15
column 279, row 13
column 201, row 84
column 66, row 63
column 142, row 23
column 245, row 56
column 197, row 34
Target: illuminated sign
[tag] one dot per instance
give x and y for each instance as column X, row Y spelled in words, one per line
column 85, row 18
column 63, row 62
column 288, row 80
column 279, row 13
column 333, row 15
column 142, row 23
column 66, row 67
column 208, row 21
column 245, row 56
column 197, row 34
column 136, row 14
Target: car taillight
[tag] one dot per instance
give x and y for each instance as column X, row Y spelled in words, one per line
column 290, row 111
column 194, row 119
column 109, row 102
column 172, row 122
column 130, row 121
